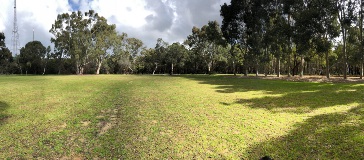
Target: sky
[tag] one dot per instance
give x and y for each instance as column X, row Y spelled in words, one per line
column 147, row 20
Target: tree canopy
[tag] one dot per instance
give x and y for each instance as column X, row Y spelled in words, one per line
column 293, row 37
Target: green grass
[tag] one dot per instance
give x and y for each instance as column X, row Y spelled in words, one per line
column 178, row 117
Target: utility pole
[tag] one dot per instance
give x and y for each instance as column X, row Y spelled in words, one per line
column 15, row 38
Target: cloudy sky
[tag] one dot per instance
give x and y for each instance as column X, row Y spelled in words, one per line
column 147, row 20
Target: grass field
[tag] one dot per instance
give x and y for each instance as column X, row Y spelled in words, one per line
column 178, row 117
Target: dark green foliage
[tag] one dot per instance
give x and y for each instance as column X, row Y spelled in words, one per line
column 30, row 58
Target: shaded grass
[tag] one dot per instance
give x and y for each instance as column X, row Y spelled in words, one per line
column 179, row 117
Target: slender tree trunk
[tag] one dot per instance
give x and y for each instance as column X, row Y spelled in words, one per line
column 361, row 70
column 344, row 53
column 246, row 71
column 289, row 49
column 209, row 67
column 132, row 71
column 289, row 65
column 278, row 67
column 172, row 69
column 327, row 65
column 98, row 67
column 234, row 68
column 266, row 70
column 81, row 70
column 156, row 66
column 77, row 67
column 361, row 39
column 302, row 66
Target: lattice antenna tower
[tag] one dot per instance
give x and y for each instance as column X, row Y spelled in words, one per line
column 15, row 37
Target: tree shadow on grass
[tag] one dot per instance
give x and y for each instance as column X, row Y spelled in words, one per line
column 334, row 128
column 3, row 115
column 285, row 96
column 326, row 136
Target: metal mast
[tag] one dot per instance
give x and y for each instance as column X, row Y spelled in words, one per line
column 15, row 37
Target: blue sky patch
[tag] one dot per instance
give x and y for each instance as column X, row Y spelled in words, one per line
column 74, row 6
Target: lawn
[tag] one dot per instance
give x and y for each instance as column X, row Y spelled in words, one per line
column 178, row 117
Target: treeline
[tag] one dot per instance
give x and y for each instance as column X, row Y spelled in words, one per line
column 293, row 37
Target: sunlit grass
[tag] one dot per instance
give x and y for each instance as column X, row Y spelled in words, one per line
column 178, row 117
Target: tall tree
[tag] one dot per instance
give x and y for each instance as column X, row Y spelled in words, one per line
column 233, row 28
column 346, row 16
column 134, row 46
column 103, row 39
column 6, row 57
column 205, row 41
column 74, row 34
column 176, row 54
column 360, row 25
column 31, row 57
column 326, row 28
column 160, row 53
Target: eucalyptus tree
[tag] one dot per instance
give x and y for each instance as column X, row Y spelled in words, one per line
column 214, row 40
column 134, row 46
column 74, row 36
column 346, row 18
column 204, row 42
column 45, row 59
column 120, row 61
column 287, row 11
column 103, row 40
column 304, row 29
column 360, row 12
column 146, row 60
column 195, row 43
column 176, row 55
column 276, row 39
column 160, row 53
column 326, row 28
column 234, row 29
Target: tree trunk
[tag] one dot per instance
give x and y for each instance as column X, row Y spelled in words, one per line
column 361, row 39
column 289, row 65
column 77, row 68
column 278, row 67
column 172, row 69
column 156, row 66
column 98, row 68
column 246, row 71
column 290, row 49
column 234, row 68
column 266, row 70
column 302, row 66
column 209, row 67
column 81, row 70
column 361, row 70
column 327, row 65
column 344, row 53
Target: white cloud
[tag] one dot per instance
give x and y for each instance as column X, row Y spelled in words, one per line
column 130, row 13
column 147, row 20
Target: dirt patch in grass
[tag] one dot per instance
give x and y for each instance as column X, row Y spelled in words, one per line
column 108, row 119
